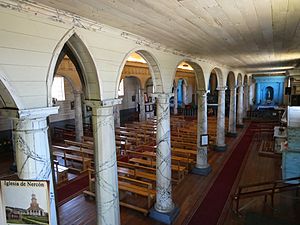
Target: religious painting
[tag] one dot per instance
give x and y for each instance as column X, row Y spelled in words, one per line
column 24, row 202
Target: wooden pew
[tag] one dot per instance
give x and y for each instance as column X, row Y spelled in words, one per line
column 132, row 186
column 61, row 173
column 63, row 152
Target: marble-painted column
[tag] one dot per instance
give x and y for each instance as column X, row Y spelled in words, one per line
column 175, row 100
column 240, row 107
column 164, row 209
column 30, row 137
column 220, row 139
column 202, row 167
column 245, row 100
column 106, row 182
column 257, row 97
column 117, row 115
column 142, row 115
column 250, row 99
column 78, row 115
column 232, row 113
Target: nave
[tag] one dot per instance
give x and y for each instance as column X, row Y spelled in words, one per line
column 190, row 192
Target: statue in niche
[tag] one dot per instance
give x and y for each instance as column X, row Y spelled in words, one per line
column 269, row 94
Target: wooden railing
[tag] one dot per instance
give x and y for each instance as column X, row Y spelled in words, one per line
column 265, row 189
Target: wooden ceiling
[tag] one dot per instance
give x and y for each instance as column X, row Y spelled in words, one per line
column 255, row 35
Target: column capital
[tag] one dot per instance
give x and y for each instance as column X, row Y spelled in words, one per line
column 29, row 113
column 202, row 92
column 222, row 88
column 165, row 96
column 104, row 103
column 79, row 92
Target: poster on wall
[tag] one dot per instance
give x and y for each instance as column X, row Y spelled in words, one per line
column 24, row 202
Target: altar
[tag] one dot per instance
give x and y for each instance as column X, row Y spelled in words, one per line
column 269, row 90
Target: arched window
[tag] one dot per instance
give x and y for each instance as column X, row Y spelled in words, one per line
column 58, row 89
column 121, row 88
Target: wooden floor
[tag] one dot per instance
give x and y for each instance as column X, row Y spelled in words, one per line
column 190, row 192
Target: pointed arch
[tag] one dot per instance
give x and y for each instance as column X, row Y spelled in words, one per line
column 72, row 45
column 153, row 68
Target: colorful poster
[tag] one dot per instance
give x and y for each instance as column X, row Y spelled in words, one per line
column 24, row 202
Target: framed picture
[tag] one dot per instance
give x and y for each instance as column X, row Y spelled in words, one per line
column 203, row 139
column 33, row 202
column 133, row 98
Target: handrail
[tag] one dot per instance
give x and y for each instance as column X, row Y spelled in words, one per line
column 265, row 189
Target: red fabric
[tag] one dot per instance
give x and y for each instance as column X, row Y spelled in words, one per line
column 72, row 188
column 212, row 205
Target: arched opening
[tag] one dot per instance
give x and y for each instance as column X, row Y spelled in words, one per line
column 7, row 101
column 72, row 81
column 230, row 83
column 212, row 96
column 137, row 104
column 185, row 85
column 141, row 78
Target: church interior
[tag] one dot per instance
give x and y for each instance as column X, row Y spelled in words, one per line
column 151, row 112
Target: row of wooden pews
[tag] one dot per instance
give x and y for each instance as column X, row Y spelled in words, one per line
column 136, row 155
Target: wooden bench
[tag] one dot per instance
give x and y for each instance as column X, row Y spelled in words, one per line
column 61, row 173
column 180, row 170
column 86, row 162
column 132, row 186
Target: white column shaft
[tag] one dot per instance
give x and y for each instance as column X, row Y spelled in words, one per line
column 33, row 155
column 164, row 202
column 106, row 184
column 201, row 129
column 220, row 140
column 232, row 111
column 240, row 106
column 142, row 115
column 78, row 116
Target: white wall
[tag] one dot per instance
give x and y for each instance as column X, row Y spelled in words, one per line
column 65, row 112
column 131, row 87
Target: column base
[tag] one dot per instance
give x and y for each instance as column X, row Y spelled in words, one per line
column 230, row 134
column 220, row 148
column 240, row 125
column 202, row 171
column 167, row 218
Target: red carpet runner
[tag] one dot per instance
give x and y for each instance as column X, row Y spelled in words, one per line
column 212, row 205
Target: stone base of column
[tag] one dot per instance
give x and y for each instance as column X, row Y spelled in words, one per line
column 240, row 125
column 167, row 218
column 202, row 171
column 220, row 148
column 230, row 134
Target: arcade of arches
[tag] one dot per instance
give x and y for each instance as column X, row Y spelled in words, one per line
column 121, row 131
